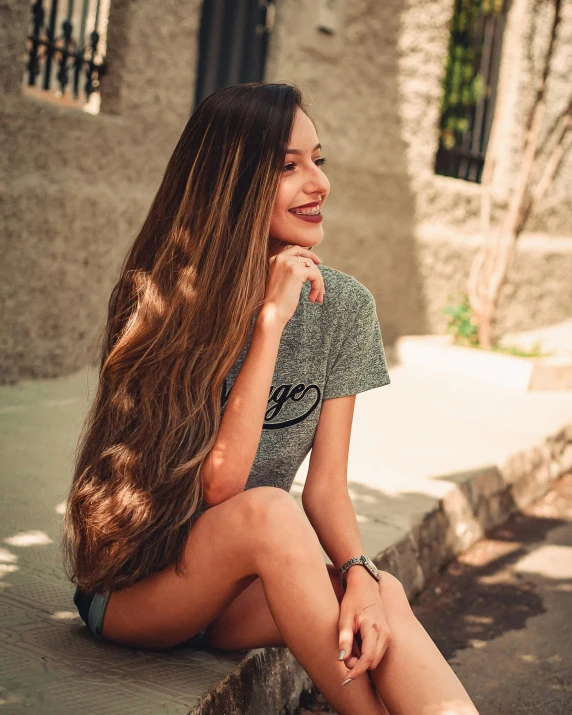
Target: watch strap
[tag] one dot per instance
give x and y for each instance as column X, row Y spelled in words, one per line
column 363, row 561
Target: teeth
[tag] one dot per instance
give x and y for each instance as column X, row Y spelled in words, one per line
column 313, row 211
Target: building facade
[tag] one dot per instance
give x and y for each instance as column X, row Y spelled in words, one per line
column 76, row 186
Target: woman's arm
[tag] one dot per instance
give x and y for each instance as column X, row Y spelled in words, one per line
column 335, row 524
column 325, row 497
column 228, row 464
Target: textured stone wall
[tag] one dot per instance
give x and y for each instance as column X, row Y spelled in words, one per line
column 529, row 32
column 536, row 291
column 422, row 52
column 76, row 187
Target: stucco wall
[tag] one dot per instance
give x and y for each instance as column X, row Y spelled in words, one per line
column 353, row 82
column 76, row 187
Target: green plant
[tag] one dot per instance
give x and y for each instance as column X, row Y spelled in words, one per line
column 535, row 350
column 462, row 324
column 464, row 84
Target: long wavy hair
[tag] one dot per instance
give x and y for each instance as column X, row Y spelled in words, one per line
column 178, row 318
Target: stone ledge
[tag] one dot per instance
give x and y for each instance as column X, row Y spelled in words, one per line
column 437, row 352
column 266, row 681
column 269, row 680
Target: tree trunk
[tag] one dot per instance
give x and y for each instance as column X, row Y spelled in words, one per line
column 495, row 257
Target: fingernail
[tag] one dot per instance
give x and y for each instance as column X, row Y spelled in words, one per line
column 349, row 680
column 341, row 654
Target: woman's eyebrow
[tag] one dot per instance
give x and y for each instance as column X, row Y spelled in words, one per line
column 298, row 151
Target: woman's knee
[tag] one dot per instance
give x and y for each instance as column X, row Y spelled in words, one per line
column 262, row 505
column 394, row 596
column 279, row 523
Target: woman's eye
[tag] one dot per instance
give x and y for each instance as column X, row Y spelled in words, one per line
column 319, row 162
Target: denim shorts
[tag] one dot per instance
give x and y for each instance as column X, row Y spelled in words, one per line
column 91, row 608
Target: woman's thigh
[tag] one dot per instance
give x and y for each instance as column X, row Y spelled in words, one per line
column 247, row 621
column 222, row 554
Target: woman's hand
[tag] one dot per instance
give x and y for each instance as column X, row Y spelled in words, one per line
column 362, row 613
column 286, row 277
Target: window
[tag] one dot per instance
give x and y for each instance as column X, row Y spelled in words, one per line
column 470, row 83
column 65, row 52
column 233, row 42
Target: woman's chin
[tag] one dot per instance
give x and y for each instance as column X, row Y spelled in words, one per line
column 308, row 240
column 276, row 245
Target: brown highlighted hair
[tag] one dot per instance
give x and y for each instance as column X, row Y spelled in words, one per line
column 178, row 318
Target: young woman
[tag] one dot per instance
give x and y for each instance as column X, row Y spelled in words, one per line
column 230, row 350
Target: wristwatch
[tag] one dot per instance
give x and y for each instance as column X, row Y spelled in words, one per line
column 364, row 561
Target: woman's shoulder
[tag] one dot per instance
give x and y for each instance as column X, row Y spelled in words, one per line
column 343, row 289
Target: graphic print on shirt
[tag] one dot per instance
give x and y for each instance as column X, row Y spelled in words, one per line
column 281, row 396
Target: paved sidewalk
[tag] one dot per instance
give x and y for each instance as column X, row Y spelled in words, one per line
column 500, row 614
column 433, row 458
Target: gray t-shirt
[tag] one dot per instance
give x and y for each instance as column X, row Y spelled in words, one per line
column 327, row 350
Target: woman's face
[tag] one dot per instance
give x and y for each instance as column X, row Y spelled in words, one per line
column 303, row 181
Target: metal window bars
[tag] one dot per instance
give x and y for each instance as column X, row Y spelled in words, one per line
column 470, row 83
column 74, row 58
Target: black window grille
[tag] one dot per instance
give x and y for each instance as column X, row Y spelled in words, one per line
column 470, row 85
column 65, row 51
column 233, row 43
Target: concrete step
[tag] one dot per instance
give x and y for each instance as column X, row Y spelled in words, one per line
column 437, row 352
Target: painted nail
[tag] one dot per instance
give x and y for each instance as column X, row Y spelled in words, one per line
column 341, row 654
column 348, row 680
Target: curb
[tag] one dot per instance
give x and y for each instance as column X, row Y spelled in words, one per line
column 553, row 372
column 270, row 680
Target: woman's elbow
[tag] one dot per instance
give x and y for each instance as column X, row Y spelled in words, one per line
column 216, row 486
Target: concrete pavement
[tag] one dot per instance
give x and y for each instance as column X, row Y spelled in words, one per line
column 501, row 613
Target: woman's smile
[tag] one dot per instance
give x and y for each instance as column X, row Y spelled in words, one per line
column 311, row 212
column 312, row 218
column 302, row 189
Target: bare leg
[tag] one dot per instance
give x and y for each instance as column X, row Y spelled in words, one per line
column 248, row 623
column 412, row 674
column 413, row 677
column 261, row 531
column 306, row 611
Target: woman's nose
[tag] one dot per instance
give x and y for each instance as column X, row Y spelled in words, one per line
column 320, row 182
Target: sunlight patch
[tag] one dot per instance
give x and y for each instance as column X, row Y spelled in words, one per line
column 7, row 556
column 8, row 568
column 476, row 643
column 368, row 498
column 29, row 538
column 64, row 615
column 550, row 561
